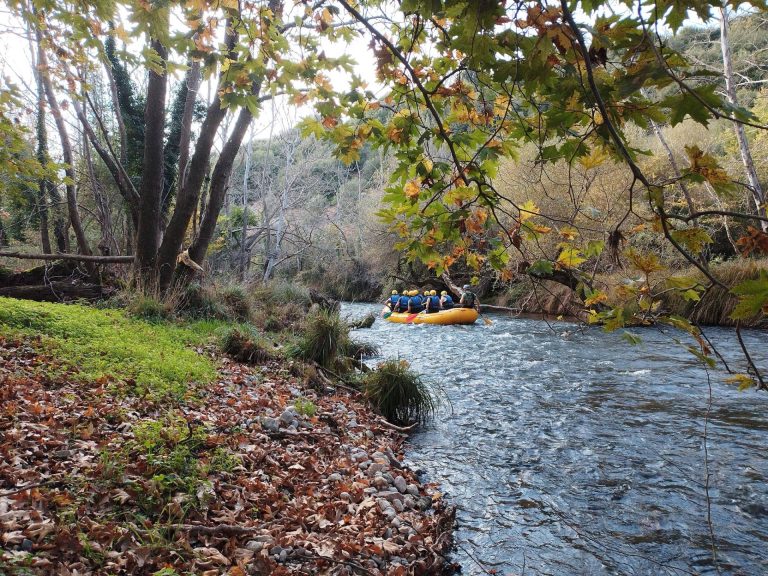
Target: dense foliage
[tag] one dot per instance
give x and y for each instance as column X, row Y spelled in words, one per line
column 551, row 141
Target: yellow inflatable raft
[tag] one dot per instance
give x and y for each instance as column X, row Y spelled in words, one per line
column 452, row 316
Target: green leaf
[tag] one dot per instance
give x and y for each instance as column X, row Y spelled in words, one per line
column 541, row 268
column 753, row 297
column 632, row 338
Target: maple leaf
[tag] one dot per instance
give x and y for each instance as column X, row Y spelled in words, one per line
column 754, row 241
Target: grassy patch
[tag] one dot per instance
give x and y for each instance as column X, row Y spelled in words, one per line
column 107, row 344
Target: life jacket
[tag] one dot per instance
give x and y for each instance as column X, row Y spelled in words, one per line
column 447, row 302
column 434, row 303
column 469, row 299
column 393, row 300
column 417, row 304
column 403, row 303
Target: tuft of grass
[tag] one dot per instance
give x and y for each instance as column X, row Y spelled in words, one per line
column 361, row 349
column 236, row 300
column 246, row 346
column 325, row 338
column 105, row 344
column 305, row 407
column 198, row 301
column 717, row 304
column 150, row 308
column 399, row 393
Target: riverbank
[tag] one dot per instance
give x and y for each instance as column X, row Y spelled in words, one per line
column 241, row 470
column 549, row 299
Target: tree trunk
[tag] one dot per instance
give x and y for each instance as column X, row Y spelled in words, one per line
column 42, row 158
column 66, row 148
column 191, row 180
column 245, row 254
column 756, row 190
column 148, row 234
column 219, row 182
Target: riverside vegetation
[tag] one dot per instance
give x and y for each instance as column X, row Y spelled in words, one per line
column 131, row 444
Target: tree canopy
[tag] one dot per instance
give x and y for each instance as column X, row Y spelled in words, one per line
column 469, row 86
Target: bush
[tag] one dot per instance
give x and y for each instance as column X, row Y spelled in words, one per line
column 246, row 346
column 399, row 394
column 325, row 339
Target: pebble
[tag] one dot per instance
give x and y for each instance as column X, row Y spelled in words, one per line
column 254, row 546
column 26, row 545
column 401, row 484
column 384, row 505
column 413, row 490
column 276, row 551
column 388, row 477
column 396, row 522
column 409, row 502
column 288, row 415
column 344, row 495
column 424, row 503
column 390, row 495
column 398, row 504
column 375, row 467
column 335, row 477
column 283, row 556
column 270, row 424
column 380, row 483
column 369, row 434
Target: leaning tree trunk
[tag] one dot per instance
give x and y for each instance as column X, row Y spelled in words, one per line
column 756, row 189
column 191, row 179
column 219, row 183
column 66, row 148
column 148, row 234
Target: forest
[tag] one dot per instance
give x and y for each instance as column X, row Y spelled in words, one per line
column 218, row 176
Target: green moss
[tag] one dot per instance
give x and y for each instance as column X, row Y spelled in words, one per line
column 105, row 343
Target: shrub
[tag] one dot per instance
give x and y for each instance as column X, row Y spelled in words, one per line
column 325, row 339
column 246, row 346
column 305, row 407
column 399, row 394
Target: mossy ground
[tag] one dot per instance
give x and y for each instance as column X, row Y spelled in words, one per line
column 156, row 358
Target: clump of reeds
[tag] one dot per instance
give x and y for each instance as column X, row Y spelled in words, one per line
column 325, row 338
column 399, row 393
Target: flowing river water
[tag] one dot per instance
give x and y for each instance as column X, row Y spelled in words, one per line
column 569, row 451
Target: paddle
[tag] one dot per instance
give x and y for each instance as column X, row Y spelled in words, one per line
column 387, row 314
column 487, row 321
column 411, row 317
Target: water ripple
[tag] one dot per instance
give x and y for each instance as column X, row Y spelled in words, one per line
column 570, row 452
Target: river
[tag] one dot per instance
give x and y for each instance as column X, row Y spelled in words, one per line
column 570, row 451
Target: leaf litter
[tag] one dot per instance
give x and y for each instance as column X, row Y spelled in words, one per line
column 235, row 478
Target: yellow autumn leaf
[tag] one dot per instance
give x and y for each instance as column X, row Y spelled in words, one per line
column 596, row 157
column 596, row 298
column 528, row 209
column 412, row 189
column 570, row 257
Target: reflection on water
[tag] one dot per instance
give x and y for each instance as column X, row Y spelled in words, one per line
column 571, row 452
